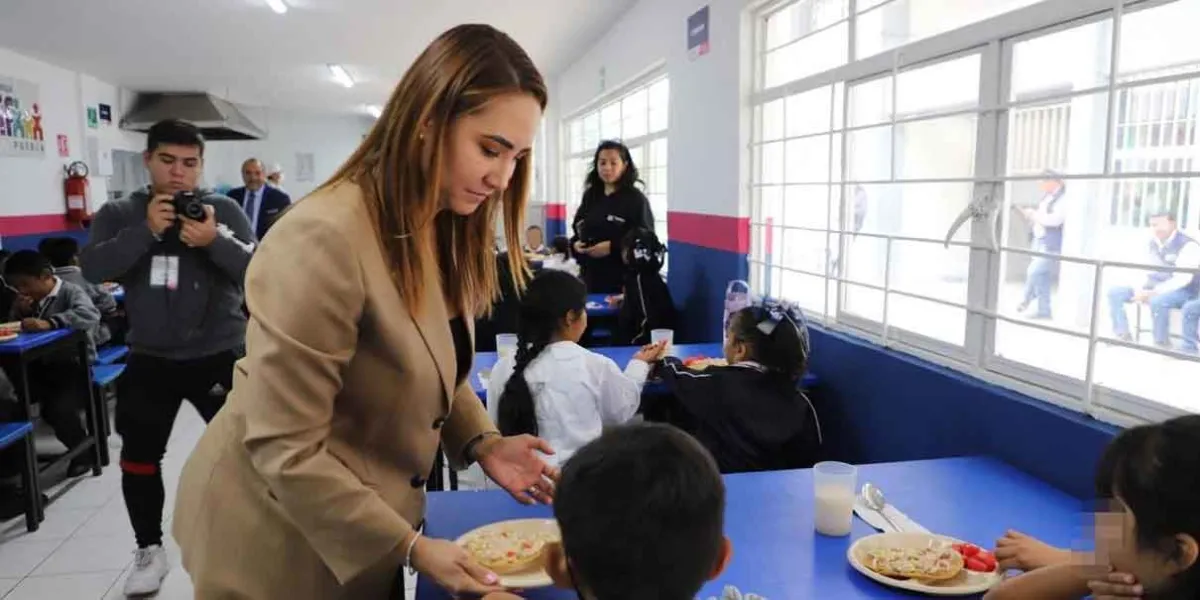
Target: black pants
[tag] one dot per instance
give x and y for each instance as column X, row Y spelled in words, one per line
column 56, row 389
column 152, row 390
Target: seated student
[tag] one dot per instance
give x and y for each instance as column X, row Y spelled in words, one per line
column 63, row 254
column 47, row 302
column 641, row 510
column 554, row 388
column 535, row 241
column 559, row 258
column 751, row 414
column 1147, row 539
column 646, row 302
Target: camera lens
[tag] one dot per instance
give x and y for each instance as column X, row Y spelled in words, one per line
column 194, row 210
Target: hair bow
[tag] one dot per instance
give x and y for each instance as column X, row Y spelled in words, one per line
column 773, row 312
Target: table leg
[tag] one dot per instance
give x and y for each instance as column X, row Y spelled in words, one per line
column 100, row 444
column 34, row 511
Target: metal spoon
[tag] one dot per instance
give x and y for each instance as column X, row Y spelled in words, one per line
column 876, row 501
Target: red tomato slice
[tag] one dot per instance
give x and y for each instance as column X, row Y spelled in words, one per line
column 974, row 564
column 988, row 559
column 969, row 550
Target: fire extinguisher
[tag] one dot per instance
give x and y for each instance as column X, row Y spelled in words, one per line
column 76, row 188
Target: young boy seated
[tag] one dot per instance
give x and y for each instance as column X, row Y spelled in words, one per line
column 46, row 302
column 63, row 254
column 535, row 241
column 641, row 510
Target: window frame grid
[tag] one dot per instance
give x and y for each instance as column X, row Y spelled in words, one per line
column 1109, row 403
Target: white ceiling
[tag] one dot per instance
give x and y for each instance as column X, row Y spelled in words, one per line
column 242, row 51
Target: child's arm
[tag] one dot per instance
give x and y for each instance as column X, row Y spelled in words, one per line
column 501, row 596
column 1063, row 582
column 1026, row 553
column 620, row 392
column 694, row 390
column 80, row 313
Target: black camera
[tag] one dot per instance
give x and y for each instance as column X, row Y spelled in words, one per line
column 188, row 204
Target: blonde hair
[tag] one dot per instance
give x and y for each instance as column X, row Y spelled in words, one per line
column 398, row 167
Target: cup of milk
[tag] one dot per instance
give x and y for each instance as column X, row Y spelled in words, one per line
column 834, row 484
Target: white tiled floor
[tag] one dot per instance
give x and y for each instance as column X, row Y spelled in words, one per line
column 85, row 546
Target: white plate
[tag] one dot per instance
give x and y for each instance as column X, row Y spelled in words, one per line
column 525, row 580
column 966, row 583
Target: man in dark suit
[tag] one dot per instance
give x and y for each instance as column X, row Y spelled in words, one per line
column 262, row 202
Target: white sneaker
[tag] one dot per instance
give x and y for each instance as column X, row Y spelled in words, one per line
column 150, row 567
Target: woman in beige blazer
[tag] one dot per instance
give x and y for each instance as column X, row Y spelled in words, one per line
column 310, row 482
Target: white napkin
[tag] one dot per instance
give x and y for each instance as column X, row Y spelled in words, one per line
column 732, row 593
column 873, row 518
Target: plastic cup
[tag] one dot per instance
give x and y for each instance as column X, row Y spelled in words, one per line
column 506, row 345
column 834, row 486
column 663, row 335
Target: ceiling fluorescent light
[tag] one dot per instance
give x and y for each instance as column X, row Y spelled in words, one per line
column 374, row 110
column 277, row 6
column 341, row 76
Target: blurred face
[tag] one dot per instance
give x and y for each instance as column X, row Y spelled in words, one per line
column 1049, row 186
column 1162, row 228
column 609, row 166
column 534, row 238
column 735, row 349
column 252, row 174
column 1116, row 543
column 33, row 287
column 484, row 148
column 174, row 168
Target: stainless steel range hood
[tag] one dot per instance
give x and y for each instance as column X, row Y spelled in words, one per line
column 216, row 118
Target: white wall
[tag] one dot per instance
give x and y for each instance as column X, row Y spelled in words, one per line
column 330, row 138
column 34, row 186
column 708, row 127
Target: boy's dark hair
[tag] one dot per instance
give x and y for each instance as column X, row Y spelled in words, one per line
column 26, row 263
column 60, row 251
column 174, row 132
column 550, row 297
column 642, row 514
column 561, row 245
column 532, row 227
column 1155, row 471
column 784, row 351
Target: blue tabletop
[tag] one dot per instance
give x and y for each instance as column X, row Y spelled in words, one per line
column 28, row 341
column 597, row 306
column 118, row 293
column 486, row 361
column 776, row 552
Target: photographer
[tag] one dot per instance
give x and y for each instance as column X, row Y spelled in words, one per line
column 181, row 255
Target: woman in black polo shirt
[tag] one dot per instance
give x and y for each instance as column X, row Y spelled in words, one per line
column 612, row 207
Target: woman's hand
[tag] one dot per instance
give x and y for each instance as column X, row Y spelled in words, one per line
column 600, row 250
column 1025, row 553
column 615, row 300
column 581, row 248
column 651, row 353
column 513, row 463
column 452, row 569
column 1116, row 586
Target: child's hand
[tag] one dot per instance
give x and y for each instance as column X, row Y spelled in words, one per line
column 615, row 300
column 1116, row 586
column 24, row 304
column 651, row 353
column 36, row 325
column 1025, row 553
column 501, row 596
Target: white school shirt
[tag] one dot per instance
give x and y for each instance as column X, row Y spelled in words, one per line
column 576, row 393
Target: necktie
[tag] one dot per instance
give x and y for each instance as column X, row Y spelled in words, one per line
column 251, row 204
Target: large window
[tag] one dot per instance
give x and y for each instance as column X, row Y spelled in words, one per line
column 636, row 117
column 916, row 115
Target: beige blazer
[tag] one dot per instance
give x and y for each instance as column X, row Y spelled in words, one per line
column 308, row 482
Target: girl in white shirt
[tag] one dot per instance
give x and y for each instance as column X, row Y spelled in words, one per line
column 559, row 258
column 554, row 388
